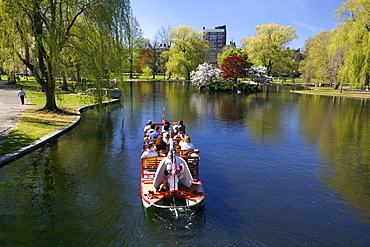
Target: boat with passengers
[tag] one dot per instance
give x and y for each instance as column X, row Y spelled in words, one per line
column 171, row 178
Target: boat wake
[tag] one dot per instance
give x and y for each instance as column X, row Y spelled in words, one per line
column 177, row 219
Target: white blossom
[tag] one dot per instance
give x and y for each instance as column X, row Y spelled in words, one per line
column 204, row 74
column 258, row 74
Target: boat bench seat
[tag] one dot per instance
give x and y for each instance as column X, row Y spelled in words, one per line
column 149, row 166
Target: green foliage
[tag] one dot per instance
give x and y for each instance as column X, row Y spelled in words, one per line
column 316, row 66
column 232, row 51
column 188, row 50
column 268, row 47
column 147, row 71
column 151, row 57
column 220, row 86
column 34, row 124
column 342, row 55
column 133, row 42
column 352, row 42
column 60, row 38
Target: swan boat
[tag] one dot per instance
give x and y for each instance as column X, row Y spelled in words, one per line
column 185, row 191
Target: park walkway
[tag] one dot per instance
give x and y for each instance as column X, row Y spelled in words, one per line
column 10, row 109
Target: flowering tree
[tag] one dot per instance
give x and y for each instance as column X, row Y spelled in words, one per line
column 235, row 67
column 204, row 75
column 259, row 74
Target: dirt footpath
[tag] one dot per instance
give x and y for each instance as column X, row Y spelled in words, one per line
column 10, row 109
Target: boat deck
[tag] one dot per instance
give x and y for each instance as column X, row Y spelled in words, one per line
column 192, row 196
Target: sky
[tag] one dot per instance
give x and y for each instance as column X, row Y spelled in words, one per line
column 308, row 17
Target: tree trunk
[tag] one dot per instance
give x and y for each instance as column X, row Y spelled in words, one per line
column 65, row 85
column 50, row 98
column 131, row 76
column 269, row 68
column 188, row 75
column 366, row 82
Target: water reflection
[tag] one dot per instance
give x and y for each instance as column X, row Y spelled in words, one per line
column 339, row 131
column 278, row 168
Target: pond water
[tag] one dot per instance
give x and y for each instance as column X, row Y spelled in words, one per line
column 279, row 169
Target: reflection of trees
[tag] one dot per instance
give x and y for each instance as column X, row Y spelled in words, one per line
column 57, row 186
column 263, row 116
column 338, row 126
column 154, row 96
column 341, row 131
column 266, row 116
column 33, row 198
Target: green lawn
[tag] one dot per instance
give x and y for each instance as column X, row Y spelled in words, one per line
column 34, row 124
column 336, row 92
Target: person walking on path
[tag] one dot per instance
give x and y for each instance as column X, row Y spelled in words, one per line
column 9, row 109
column 22, row 95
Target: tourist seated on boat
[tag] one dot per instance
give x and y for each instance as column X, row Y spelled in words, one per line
column 186, row 143
column 180, row 134
column 166, row 127
column 160, row 144
column 150, row 152
column 150, row 130
column 166, row 138
column 175, row 130
column 181, row 126
column 147, row 127
column 190, row 153
column 155, row 134
column 147, row 140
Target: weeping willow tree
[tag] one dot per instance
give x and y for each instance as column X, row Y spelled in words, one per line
column 352, row 40
column 46, row 35
column 316, row 64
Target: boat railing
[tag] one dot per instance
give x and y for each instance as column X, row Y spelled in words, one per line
column 177, row 193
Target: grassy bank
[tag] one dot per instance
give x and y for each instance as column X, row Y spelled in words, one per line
column 329, row 91
column 34, row 124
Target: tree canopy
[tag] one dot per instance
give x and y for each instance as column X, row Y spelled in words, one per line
column 134, row 42
column 268, row 46
column 343, row 54
column 352, row 41
column 229, row 52
column 316, row 64
column 47, row 35
column 187, row 51
column 234, row 67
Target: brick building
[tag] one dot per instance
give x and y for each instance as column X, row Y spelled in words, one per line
column 217, row 40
